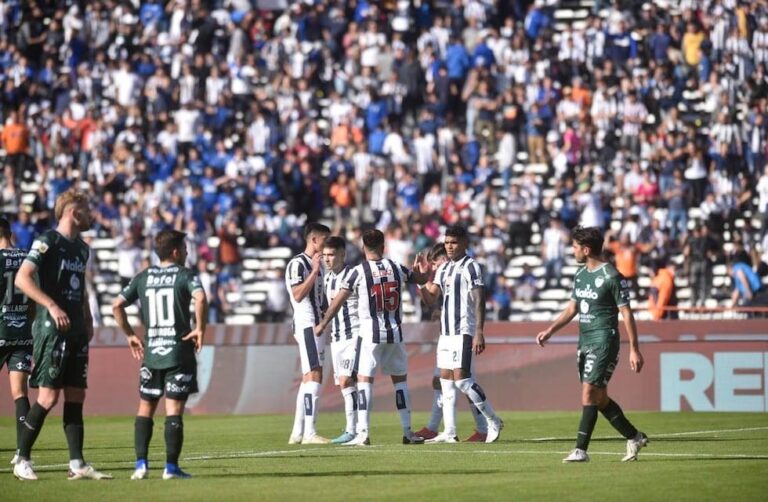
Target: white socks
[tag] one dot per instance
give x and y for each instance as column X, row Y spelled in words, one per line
column 475, row 394
column 437, row 411
column 364, row 405
column 449, row 407
column 403, row 402
column 298, row 419
column 350, row 407
column 311, row 392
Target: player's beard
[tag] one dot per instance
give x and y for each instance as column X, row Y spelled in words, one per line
column 83, row 223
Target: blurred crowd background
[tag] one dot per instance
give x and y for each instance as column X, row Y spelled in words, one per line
column 238, row 121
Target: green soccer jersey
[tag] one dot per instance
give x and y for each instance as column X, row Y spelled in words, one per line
column 14, row 312
column 60, row 264
column 165, row 294
column 599, row 293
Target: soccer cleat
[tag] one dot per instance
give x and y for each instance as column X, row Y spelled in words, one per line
column 577, row 455
column 173, row 471
column 426, row 433
column 477, row 437
column 634, row 445
column 344, row 438
column 15, row 459
column 361, row 439
column 142, row 470
column 86, row 472
column 294, row 440
column 442, row 438
column 23, row 470
column 494, row 429
column 413, row 439
column 315, row 439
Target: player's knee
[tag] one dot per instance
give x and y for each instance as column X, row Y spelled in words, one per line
column 48, row 401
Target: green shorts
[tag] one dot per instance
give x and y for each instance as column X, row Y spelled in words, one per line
column 598, row 362
column 176, row 383
column 17, row 354
column 60, row 361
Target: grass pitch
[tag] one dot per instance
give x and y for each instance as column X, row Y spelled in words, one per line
column 691, row 457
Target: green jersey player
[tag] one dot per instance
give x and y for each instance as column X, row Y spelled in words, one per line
column 15, row 322
column 599, row 294
column 168, row 349
column 62, row 330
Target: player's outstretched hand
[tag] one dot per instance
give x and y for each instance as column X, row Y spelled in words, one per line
column 542, row 337
column 136, row 345
column 196, row 335
column 636, row 361
column 60, row 318
column 421, row 264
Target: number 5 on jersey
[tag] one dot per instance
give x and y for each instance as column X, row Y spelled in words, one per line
column 387, row 296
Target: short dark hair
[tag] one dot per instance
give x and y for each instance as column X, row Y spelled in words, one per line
column 5, row 229
column 335, row 242
column 373, row 239
column 315, row 228
column 166, row 241
column 457, row 231
column 437, row 251
column 591, row 237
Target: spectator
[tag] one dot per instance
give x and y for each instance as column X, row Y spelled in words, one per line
column 662, row 293
column 129, row 257
column 553, row 243
column 700, row 252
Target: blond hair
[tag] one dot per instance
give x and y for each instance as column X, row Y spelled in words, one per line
column 71, row 196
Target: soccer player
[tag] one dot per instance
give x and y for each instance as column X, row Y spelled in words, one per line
column 344, row 333
column 437, row 256
column 599, row 294
column 379, row 282
column 15, row 324
column 304, row 280
column 462, row 320
column 165, row 292
column 62, row 330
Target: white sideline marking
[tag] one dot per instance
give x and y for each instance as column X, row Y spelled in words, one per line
column 427, row 449
column 668, row 434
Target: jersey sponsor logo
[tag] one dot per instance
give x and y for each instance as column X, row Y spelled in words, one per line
column 599, row 282
column 584, row 306
column 161, row 351
column 145, row 374
column 151, row 392
column 74, row 282
column 161, row 280
column 73, row 266
column 183, row 377
column 586, row 292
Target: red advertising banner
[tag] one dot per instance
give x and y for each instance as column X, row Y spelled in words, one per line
column 689, row 365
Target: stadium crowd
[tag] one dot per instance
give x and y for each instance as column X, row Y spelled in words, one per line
column 222, row 119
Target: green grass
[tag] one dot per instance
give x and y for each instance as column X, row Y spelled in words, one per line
column 691, row 457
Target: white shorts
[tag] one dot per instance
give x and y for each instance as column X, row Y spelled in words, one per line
column 391, row 358
column 455, row 352
column 311, row 349
column 344, row 355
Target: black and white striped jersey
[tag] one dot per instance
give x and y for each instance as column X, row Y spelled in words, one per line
column 346, row 323
column 379, row 285
column 459, row 282
column 307, row 312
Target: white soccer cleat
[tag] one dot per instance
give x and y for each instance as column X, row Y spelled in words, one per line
column 15, row 459
column 23, row 470
column 140, row 473
column 295, row 439
column 442, row 438
column 86, row 472
column 361, row 439
column 494, row 429
column 315, row 439
column 577, row 455
column 634, row 445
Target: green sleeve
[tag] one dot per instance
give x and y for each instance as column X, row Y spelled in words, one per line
column 40, row 248
column 193, row 283
column 131, row 292
column 620, row 290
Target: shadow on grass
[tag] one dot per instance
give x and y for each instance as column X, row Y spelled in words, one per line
column 344, row 474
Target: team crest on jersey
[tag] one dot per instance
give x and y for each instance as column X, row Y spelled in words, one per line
column 145, row 374
column 599, row 282
column 40, row 247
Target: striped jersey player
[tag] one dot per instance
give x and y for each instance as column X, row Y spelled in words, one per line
column 304, row 281
column 344, row 332
column 379, row 284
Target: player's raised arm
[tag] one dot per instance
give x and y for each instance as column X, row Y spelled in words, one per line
column 564, row 318
column 300, row 291
column 635, row 357
column 197, row 335
column 25, row 281
column 135, row 343
column 333, row 309
column 422, row 269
